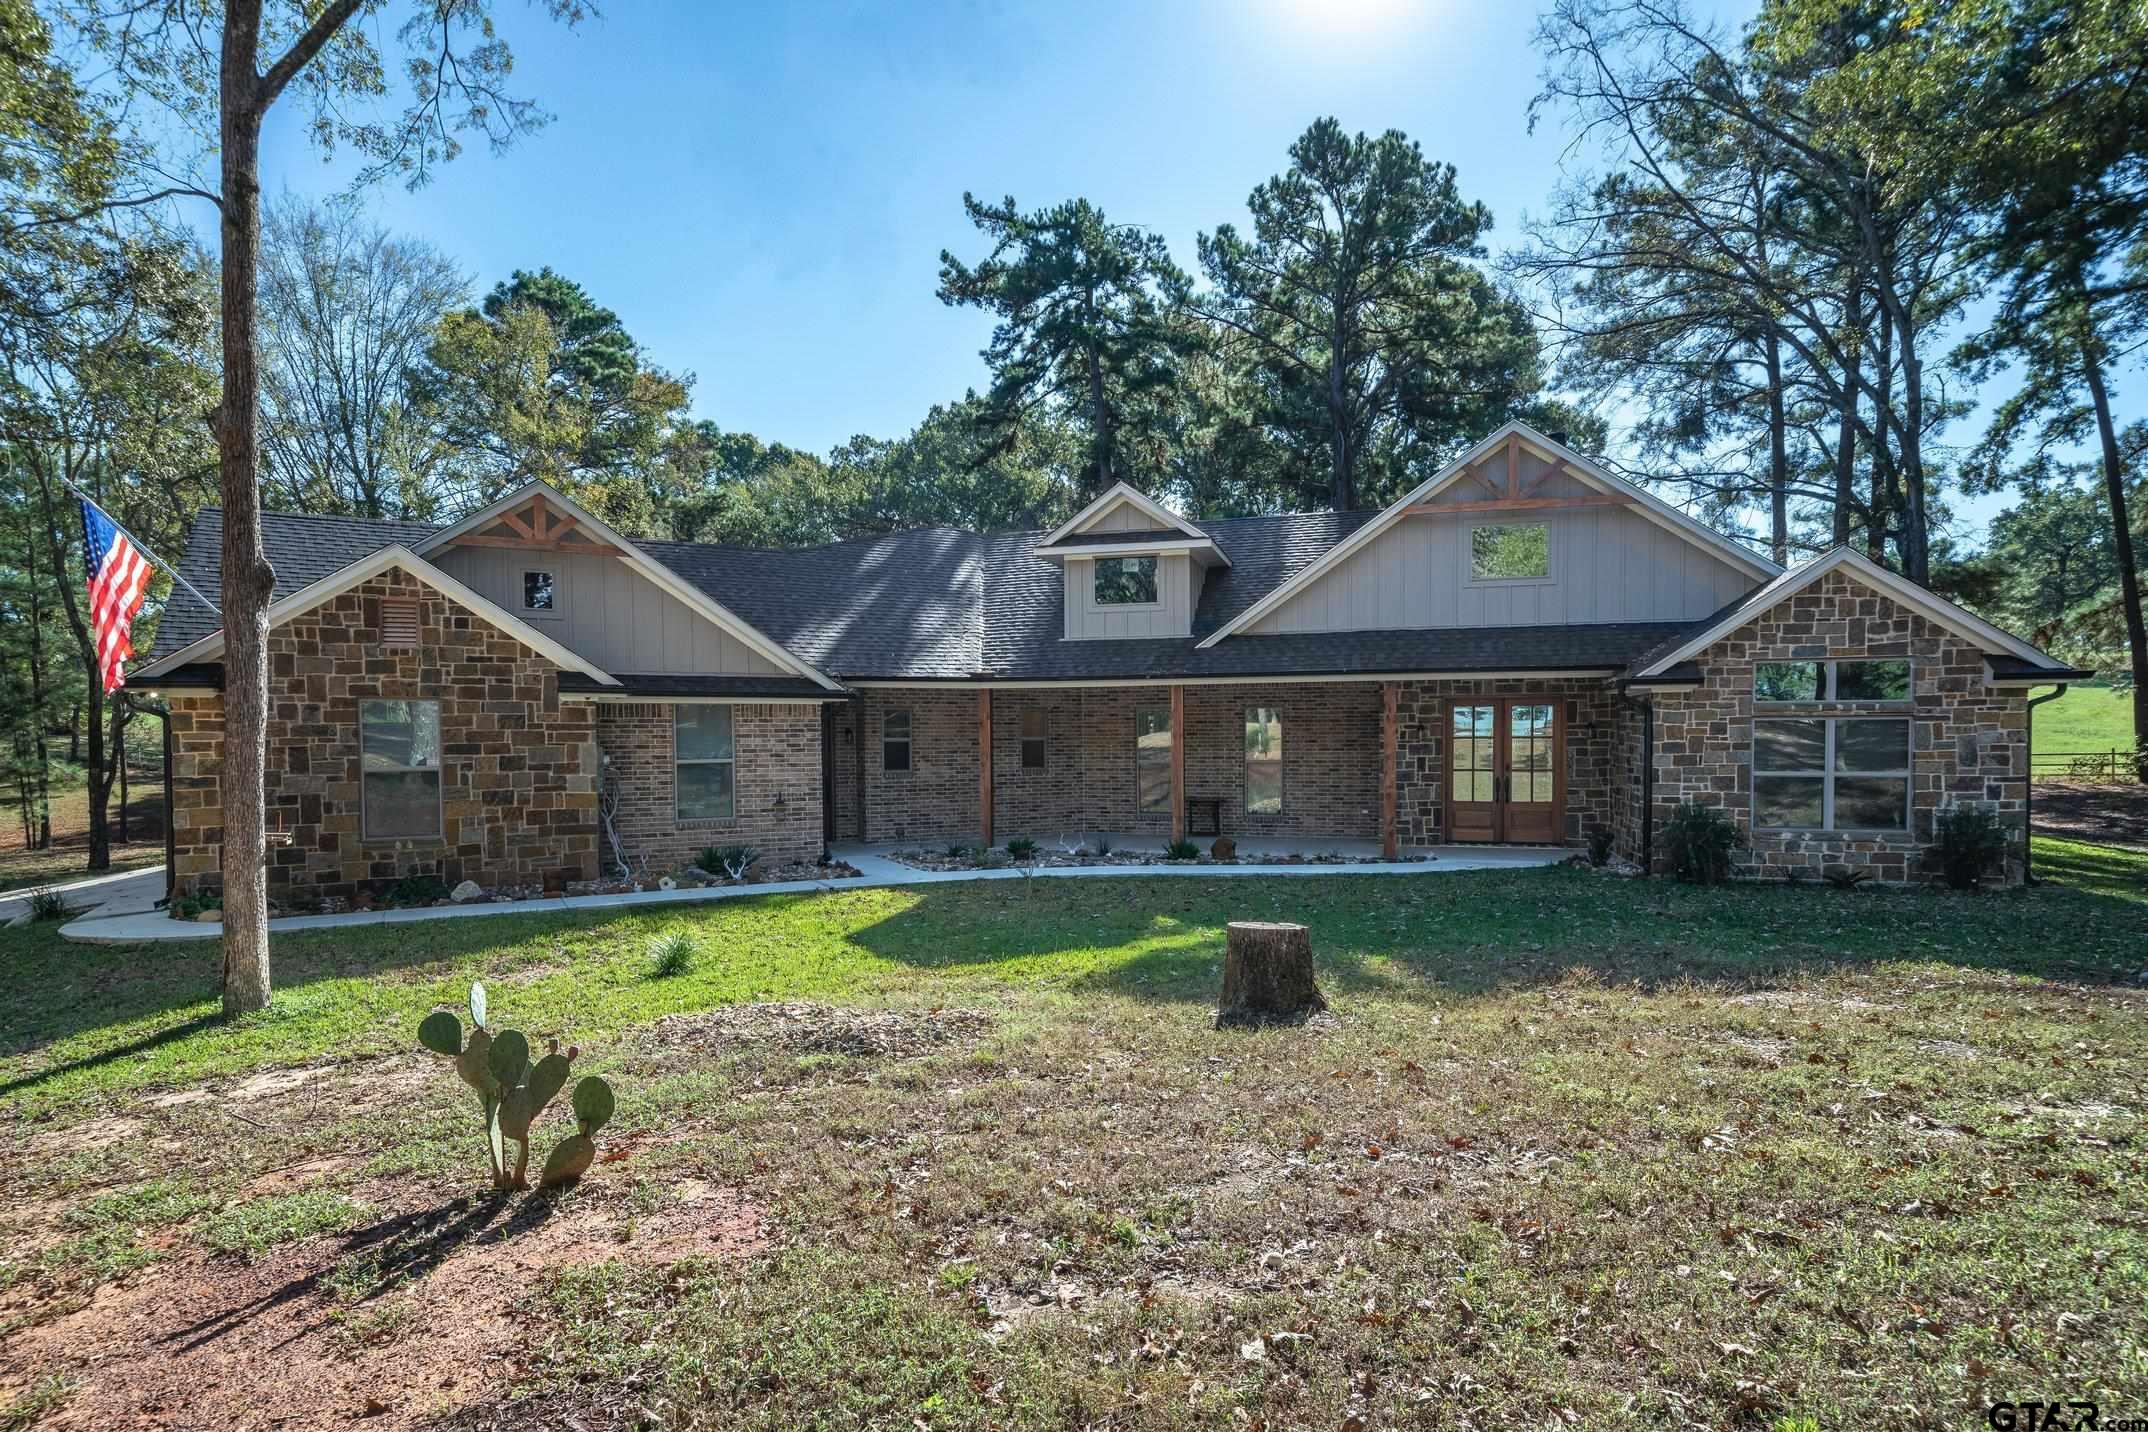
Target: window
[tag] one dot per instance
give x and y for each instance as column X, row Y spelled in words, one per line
column 1125, row 581
column 540, row 592
column 1264, row 761
column 1831, row 773
column 1152, row 756
column 895, row 741
column 399, row 769
column 1033, row 727
column 1510, row 554
column 1831, row 681
column 707, row 764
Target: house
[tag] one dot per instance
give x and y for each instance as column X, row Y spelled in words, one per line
column 1525, row 648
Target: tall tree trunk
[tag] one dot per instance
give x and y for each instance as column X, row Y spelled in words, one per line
column 41, row 837
column 1778, row 459
column 1343, row 497
column 1846, row 430
column 2129, row 577
column 1101, row 435
column 247, row 577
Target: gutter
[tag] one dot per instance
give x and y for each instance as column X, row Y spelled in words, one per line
column 2028, row 783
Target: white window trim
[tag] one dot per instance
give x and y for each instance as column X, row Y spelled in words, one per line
column 1828, row 775
column 1828, row 667
column 678, row 816
column 554, row 612
column 1551, row 556
column 908, row 740
column 438, row 770
column 1096, row 572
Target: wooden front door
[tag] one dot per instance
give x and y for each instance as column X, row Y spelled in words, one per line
column 1504, row 758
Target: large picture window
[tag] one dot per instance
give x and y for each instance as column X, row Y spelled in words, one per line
column 1831, row 773
column 1264, row 761
column 1784, row 681
column 707, row 762
column 895, row 741
column 1510, row 553
column 1152, row 756
column 399, row 769
column 1125, row 581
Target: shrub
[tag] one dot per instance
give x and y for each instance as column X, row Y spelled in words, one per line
column 1021, row 847
column 1847, row 877
column 672, row 954
column 1699, row 840
column 417, row 890
column 730, row 860
column 49, row 905
column 514, row 1092
column 186, row 907
column 1971, row 842
column 1600, row 842
column 958, row 851
column 1182, row 849
column 1102, row 845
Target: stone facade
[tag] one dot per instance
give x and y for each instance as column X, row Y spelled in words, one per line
column 1968, row 741
column 517, row 765
column 1331, row 759
column 776, row 784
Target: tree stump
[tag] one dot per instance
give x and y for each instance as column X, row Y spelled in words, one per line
column 1267, row 975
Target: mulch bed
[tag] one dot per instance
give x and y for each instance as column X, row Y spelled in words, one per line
column 2107, row 814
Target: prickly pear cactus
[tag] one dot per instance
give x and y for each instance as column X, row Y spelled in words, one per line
column 514, row 1092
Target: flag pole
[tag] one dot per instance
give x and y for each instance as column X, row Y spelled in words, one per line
column 139, row 545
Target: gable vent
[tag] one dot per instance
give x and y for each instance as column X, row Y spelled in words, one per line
column 398, row 622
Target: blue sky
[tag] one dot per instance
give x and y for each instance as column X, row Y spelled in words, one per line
column 762, row 192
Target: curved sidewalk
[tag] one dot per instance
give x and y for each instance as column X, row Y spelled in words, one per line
column 875, row 871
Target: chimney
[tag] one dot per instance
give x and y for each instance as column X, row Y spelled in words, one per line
column 1559, row 438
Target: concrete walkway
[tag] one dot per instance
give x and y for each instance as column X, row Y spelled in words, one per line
column 118, row 926
column 126, row 892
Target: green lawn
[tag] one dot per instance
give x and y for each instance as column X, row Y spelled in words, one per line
column 2086, row 718
column 1574, row 1149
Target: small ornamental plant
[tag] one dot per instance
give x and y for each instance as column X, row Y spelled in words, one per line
column 514, row 1092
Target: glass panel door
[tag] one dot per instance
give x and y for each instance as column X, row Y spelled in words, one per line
column 1532, row 767
column 1473, row 771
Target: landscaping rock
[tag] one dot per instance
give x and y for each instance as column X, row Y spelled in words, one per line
column 209, row 917
column 464, row 893
column 1225, row 848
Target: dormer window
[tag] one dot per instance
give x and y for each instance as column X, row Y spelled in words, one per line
column 1126, row 581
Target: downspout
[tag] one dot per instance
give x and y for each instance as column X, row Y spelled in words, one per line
column 2028, row 782
column 1648, row 788
column 171, row 822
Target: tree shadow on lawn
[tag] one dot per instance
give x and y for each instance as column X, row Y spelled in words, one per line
column 1490, row 932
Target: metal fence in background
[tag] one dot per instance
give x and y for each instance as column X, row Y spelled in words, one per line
column 2082, row 766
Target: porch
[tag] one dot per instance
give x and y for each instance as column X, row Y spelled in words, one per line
column 1368, row 768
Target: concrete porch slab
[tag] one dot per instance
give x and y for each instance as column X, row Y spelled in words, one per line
column 875, row 870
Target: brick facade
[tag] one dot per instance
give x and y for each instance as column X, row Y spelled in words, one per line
column 517, row 768
column 776, row 784
column 1968, row 741
column 1331, row 759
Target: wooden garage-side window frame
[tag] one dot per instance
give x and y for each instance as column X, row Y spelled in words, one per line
column 896, row 730
column 1034, row 729
column 380, row 760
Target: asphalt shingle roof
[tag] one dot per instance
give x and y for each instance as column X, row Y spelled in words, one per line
column 943, row 604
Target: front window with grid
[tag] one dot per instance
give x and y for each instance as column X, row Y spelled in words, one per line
column 1831, row 773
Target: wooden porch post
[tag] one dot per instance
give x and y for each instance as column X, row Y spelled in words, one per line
column 1178, row 763
column 1390, row 694
column 984, row 763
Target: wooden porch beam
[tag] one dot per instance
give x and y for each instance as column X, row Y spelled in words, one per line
column 984, row 762
column 596, row 549
column 1524, row 504
column 1178, row 763
column 1514, row 467
column 1390, row 766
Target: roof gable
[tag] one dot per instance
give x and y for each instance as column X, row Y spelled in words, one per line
column 1935, row 608
column 1099, row 516
column 313, row 594
column 1463, row 486
column 538, row 515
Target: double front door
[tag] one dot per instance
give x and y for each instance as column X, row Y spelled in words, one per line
column 1504, row 758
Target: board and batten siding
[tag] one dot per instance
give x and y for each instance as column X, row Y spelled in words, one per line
column 1120, row 517
column 609, row 613
column 1607, row 565
column 1171, row 615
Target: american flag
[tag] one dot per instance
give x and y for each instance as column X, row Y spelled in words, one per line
column 118, row 579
